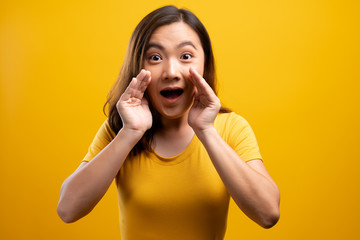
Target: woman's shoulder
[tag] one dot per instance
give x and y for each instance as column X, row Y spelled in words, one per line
column 230, row 123
column 105, row 132
column 107, row 127
column 102, row 138
column 229, row 117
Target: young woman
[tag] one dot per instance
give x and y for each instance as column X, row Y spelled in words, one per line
column 176, row 155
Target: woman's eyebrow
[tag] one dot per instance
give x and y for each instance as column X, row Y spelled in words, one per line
column 155, row 45
column 182, row 44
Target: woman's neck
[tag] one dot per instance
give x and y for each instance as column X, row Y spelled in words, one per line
column 174, row 136
column 174, row 125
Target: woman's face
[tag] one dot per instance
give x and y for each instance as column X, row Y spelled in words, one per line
column 173, row 49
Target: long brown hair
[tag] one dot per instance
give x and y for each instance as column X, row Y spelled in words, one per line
column 134, row 62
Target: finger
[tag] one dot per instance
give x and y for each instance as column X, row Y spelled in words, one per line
column 193, row 77
column 200, row 83
column 141, row 74
column 129, row 91
column 137, row 86
column 143, row 80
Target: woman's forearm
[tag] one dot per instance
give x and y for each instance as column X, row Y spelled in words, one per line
column 255, row 194
column 82, row 190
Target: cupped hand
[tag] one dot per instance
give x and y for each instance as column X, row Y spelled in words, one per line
column 132, row 107
column 206, row 104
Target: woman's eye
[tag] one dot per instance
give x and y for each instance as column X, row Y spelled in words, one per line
column 186, row 56
column 155, row 58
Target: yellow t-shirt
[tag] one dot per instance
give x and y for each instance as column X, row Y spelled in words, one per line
column 181, row 197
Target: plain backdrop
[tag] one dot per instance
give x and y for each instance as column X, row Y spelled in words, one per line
column 291, row 68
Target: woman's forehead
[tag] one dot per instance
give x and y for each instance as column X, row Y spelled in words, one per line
column 177, row 34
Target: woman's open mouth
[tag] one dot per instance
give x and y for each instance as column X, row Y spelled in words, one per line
column 171, row 94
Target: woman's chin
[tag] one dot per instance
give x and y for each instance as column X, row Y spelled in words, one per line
column 174, row 113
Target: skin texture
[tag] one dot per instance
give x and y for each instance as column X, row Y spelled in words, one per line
column 174, row 60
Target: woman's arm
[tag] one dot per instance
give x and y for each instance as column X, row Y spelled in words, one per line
column 87, row 185
column 249, row 184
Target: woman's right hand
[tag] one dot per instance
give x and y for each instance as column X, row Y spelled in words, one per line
column 132, row 107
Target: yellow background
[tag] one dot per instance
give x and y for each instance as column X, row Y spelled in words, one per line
column 291, row 68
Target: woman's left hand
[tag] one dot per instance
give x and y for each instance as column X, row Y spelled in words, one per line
column 206, row 104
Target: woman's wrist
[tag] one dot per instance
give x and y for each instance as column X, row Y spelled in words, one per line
column 205, row 134
column 133, row 135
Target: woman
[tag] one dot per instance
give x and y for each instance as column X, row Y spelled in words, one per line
column 175, row 154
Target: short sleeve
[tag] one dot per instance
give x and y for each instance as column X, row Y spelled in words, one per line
column 241, row 137
column 102, row 138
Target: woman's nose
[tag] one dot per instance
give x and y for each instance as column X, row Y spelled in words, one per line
column 171, row 70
